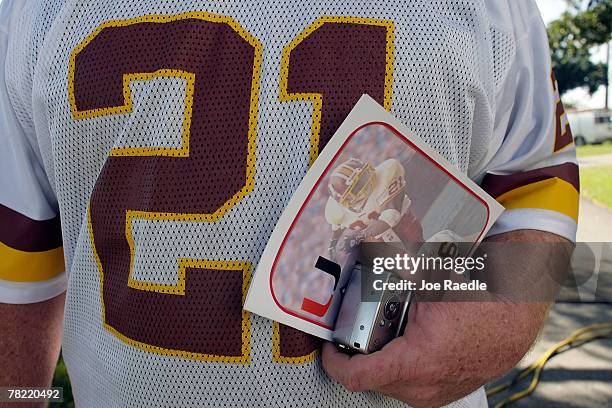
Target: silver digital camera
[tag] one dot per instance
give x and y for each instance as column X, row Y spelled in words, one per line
column 366, row 326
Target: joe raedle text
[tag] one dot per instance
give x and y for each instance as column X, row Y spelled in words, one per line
column 447, row 285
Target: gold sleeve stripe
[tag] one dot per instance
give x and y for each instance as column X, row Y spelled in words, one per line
column 552, row 194
column 21, row 266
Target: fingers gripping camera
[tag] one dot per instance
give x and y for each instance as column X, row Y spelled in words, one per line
column 365, row 327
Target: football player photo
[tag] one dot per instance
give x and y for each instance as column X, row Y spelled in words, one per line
column 148, row 150
column 379, row 187
column 367, row 203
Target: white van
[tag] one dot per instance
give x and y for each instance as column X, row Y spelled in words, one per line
column 592, row 126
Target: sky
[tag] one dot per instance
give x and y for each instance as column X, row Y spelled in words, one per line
column 551, row 9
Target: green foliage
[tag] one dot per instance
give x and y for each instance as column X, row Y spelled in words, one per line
column 61, row 379
column 571, row 38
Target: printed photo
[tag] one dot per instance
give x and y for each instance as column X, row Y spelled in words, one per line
column 379, row 188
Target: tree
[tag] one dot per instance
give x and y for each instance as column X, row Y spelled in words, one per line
column 571, row 38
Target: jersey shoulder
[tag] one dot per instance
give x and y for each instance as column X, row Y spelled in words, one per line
column 388, row 171
column 25, row 25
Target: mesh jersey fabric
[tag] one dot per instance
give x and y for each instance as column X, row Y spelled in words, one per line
column 172, row 134
column 31, row 254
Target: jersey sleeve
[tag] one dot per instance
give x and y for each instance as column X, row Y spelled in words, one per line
column 31, row 254
column 531, row 168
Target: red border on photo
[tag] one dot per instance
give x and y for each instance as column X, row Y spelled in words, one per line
column 299, row 214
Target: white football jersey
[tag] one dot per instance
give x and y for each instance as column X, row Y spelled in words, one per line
column 169, row 135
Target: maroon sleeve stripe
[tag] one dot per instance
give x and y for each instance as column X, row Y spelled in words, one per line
column 496, row 185
column 25, row 234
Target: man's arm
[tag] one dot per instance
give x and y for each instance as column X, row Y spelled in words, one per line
column 30, row 342
column 450, row 349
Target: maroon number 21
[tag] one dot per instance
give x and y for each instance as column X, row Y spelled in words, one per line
column 331, row 63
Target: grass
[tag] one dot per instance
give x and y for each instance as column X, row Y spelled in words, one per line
column 594, row 150
column 61, row 379
column 596, row 184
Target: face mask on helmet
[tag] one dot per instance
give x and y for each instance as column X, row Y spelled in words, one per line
column 352, row 183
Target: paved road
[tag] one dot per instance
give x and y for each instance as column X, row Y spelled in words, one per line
column 594, row 223
column 599, row 160
column 577, row 378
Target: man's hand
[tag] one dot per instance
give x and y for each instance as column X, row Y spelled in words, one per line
column 30, row 339
column 450, row 349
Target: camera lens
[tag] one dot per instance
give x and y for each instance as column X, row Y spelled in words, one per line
column 392, row 308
